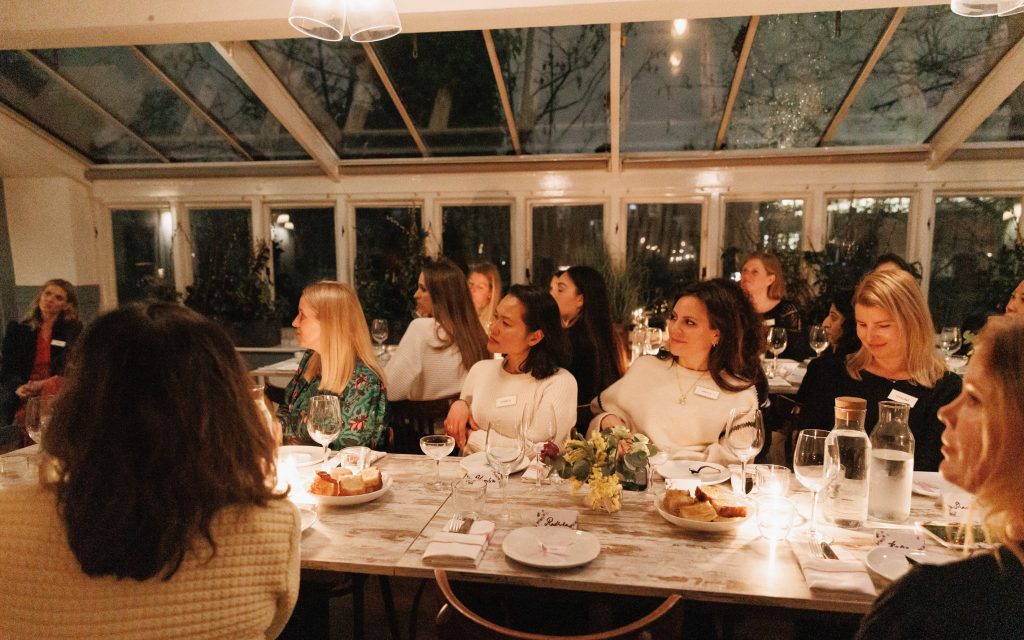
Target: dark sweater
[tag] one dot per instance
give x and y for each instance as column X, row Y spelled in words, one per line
column 590, row 380
column 19, row 356
column 973, row 598
column 786, row 315
column 827, row 379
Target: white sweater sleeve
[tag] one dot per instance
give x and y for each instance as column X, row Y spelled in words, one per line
column 556, row 396
column 406, row 363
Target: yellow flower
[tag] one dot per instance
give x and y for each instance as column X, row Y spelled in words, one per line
column 605, row 492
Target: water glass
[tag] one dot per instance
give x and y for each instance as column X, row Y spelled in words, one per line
column 13, row 467
column 775, row 516
column 468, row 497
column 772, row 479
column 355, row 459
column 505, row 447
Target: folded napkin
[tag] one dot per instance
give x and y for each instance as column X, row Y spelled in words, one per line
column 460, row 549
column 844, row 574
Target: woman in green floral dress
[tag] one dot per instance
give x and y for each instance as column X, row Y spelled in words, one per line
column 339, row 361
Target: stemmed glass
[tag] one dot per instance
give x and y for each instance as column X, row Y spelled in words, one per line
column 437, row 447
column 543, row 430
column 38, row 411
column 324, row 421
column 505, row 447
column 744, row 435
column 777, row 344
column 815, row 465
column 818, row 339
column 379, row 333
column 949, row 340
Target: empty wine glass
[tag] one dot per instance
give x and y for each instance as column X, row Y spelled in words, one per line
column 950, row 340
column 815, row 464
column 818, row 338
column 437, row 447
column 744, row 435
column 379, row 333
column 776, row 344
column 505, row 447
column 543, row 430
column 38, row 411
column 324, row 420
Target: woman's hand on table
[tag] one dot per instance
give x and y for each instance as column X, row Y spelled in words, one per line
column 459, row 422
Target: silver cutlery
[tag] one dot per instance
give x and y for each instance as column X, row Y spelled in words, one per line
column 459, row 524
column 827, row 552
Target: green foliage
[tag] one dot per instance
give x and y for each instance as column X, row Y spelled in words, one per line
column 235, row 286
column 387, row 270
column 628, row 286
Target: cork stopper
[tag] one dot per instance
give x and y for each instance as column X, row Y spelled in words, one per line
column 852, row 403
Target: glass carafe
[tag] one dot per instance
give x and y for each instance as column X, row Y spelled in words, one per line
column 892, row 464
column 846, row 498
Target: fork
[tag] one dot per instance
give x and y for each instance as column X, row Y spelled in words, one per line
column 455, row 524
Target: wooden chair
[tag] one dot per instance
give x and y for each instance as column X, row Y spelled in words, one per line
column 456, row 620
column 413, row 419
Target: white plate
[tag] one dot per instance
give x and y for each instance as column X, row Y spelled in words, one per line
column 930, row 484
column 308, row 515
column 302, row 455
column 891, row 564
column 345, row 501
column 685, row 470
column 698, row 525
column 524, row 545
column 478, row 460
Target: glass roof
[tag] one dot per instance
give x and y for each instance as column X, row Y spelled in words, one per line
column 1006, row 123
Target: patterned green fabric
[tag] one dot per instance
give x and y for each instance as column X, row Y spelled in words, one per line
column 364, row 406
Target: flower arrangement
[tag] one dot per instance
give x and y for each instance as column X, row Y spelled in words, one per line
column 610, row 457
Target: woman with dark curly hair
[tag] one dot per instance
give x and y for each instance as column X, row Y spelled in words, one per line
column 682, row 397
column 156, row 514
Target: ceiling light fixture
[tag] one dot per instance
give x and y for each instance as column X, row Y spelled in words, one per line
column 368, row 20
column 986, row 8
column 679, row 26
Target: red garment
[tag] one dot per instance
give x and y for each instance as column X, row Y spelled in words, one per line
column 41, row 366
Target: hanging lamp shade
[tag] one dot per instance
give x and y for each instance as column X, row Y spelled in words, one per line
column 1011, row 7
column 975, row 8
column 372, row 20
column 323, row 19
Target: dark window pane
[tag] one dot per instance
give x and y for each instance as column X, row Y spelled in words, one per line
column 977, row 258
column 221, row 240
column 304, row 253
column 389, row 252
column 775, row 225
column 665, row 238
column 564, row 235
column 204, row 74
column 474, row 234
column 1006, row 123
column 337, row 87
column 142, row 253
column 868, row 227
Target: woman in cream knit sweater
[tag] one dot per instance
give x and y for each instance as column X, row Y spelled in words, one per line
column 156, row 514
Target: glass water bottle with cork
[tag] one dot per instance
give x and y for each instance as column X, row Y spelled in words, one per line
column 846, row 499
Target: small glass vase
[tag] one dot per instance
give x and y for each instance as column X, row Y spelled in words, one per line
column 642, row 479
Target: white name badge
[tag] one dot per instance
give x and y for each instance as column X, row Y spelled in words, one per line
column 770, row 322
column 905, row 398
column 505, row 401
column 58, row 343
column 704, row 392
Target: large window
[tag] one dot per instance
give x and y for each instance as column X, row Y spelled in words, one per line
column 474, row 234
column 304, row 252
column 221, row 238
column 977, row 258
column 142, row 253
column 664, row 241
column 564, row 235
column 868, row 227
column 389, row 250
column 773, row 225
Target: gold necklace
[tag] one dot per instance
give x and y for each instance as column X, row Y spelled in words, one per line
column 684, row 395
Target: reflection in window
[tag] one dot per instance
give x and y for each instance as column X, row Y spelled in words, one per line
column 142, row 253
column 977, row 258
column 389, row 252
column 564, row 235
column 861, row 229
column 304, row 253
column 665, row 238
column 474, row 234
column 221, row 240
column 773, row 225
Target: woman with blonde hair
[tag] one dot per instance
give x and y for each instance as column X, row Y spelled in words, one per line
column 762, row 279
column 982, row 446
column 896, row 361
column 484, row 283
column 339, row 361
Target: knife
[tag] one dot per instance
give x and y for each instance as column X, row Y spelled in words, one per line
column 826, row 550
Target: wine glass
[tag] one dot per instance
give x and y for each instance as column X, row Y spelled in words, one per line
column 379, row 333
column 543, row 430
column 652, row 341
column 437, row 447
column 505, row 447
column 818, row 338
column 777, row 344
column 38, row 411
column 324, row 421
column 744, row 435
column 815, row 465
column 950, row 340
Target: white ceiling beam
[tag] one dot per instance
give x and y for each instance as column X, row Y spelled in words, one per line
column 29, row 151
column 31, row 24
column 615, row 93
column 254, row 72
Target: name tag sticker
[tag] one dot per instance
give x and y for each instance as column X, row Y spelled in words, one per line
column 58, row 343
column 557, row 518
column 770, row 322
column 899, row 539
column 905, row 398
column 505, row 401
column 705, row 392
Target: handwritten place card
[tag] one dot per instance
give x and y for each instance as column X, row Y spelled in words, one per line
column 956, row 504
column 899, row 539
column 557, row 518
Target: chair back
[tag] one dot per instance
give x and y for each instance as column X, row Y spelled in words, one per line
column 456, row 620
column 413, row 419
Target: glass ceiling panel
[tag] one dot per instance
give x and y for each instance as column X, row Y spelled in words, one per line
column 121, row 84
column 1005, row 123
column 675, row 81
column 204, row 74
column 800, row 68
column 933, row 62
column 446, row 83
column 558, row 83
column 34, row 94
column 337, row 87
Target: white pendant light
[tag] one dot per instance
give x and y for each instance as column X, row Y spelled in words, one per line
column 986, row 8
column 1011, row 7
column 372, row 20
column 322, row 19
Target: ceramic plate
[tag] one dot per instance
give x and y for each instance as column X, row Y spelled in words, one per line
column 308, row 515
column 709, row 472
column 478, row 460
column 575, row 548
column 891, row 564
column 698, row 525
column 345, row 501
column 302, row 456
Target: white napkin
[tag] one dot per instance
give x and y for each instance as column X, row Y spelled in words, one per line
column 845, row 574
column 796, row 374
column 463, row 549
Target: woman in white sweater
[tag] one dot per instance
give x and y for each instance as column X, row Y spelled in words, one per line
column 156, row 514
column 529, row 381
column 440, row 346
column 681, row 399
